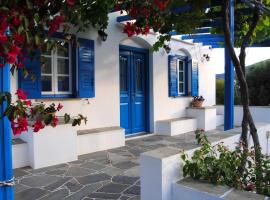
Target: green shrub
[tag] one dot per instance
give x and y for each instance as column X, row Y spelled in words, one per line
column 219, row 165
column 258, row 79
column 220, row 91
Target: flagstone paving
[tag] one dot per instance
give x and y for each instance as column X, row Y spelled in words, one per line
column 112, row 174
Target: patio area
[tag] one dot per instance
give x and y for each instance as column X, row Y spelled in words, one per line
column 112, row 174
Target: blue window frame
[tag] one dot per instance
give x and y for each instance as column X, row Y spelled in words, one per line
column 68, row 72
column 178, row 76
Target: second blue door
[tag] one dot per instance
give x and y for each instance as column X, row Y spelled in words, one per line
column 133, row 70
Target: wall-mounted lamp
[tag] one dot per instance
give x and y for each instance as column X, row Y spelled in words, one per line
column 103, row 36
column 207, row 57
column 167, row 48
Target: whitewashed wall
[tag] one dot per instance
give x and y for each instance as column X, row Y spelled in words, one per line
column 104, row 109
column 259, row 113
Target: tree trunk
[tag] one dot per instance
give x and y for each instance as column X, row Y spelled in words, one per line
column 239, row 65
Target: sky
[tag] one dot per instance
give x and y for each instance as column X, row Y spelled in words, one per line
column 254, row 55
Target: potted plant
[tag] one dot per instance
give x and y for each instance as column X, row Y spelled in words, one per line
column 197, row 101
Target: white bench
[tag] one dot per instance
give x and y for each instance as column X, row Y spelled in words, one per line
column 176, row 126
column 93, row 140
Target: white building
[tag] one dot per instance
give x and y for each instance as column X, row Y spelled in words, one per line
column 121, row 86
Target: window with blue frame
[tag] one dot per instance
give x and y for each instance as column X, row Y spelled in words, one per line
column 183, row 76
column 56, row 73
column 65, row 72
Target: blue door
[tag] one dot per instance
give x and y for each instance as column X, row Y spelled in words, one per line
column 133, row 71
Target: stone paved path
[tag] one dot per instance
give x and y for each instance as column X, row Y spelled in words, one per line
column 112, row 174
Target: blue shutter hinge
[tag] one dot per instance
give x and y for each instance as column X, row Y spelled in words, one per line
column 7, row 183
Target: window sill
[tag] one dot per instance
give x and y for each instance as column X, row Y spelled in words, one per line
column 182, row 97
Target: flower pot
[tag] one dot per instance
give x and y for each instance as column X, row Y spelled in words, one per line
column 197, row 104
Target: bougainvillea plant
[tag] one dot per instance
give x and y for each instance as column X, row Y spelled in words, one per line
column 24, row 114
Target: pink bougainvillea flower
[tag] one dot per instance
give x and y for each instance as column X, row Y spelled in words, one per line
column 54, row 121
column 3, row 39
column 21, row 94
column 38, row 126
column 70, row 3
column 59, row 107
column 19, row 38
column 16, row 21
column 54, row 25
column 11, row 58
column 129, row 29
column 28, row 102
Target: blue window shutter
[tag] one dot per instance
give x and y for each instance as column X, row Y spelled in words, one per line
column 173, row 83
column 187, row 80
column 194, row 78
column 32, row 83
column 86, row 73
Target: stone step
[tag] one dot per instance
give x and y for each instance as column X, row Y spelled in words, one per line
column 20, row 156
column 100, row 139
column 176, row 126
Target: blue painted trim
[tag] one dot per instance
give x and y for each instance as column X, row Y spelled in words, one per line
column 6, row 172
column 229, row 79
column 136, row 49
column 201, row 36
column 181, row 9
column 205, row 40
column 123, row 18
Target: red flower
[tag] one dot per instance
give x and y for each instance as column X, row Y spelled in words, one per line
column 3, row 38
column 28, row 102
column 162, row 5
column 59, row 107
column 129, row 29
column 21, row 94
column 13, row 49
column 11, row 58
column 20, row 65
column 54, row 121
column 20, row 126
column 18, row 38
column 38, row 126
column 16, row 21
column 54, row 25
column 70, row 3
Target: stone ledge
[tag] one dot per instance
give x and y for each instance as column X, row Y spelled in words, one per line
column 192, row 188
column 18, row 141
column 175, row 119
column 98, row 130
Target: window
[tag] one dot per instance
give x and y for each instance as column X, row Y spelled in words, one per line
column 69, row 72
column 181, row 76
column 56, row 73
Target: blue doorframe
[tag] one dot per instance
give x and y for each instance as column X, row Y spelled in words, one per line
column 6, row 172
column 134, row 101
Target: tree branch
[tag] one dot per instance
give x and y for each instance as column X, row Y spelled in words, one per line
column 247, row 38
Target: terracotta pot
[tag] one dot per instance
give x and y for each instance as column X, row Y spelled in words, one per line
column 197, row 104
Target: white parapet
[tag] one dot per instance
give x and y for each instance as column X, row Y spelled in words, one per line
column 51, row 146
column 206, row 117
column 20, row 153
column 158, row 169
column 89, row 141
column 176, row 126
column 161, row 169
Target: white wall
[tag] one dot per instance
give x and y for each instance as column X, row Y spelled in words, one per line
column 259, row 113
column 104, row 109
